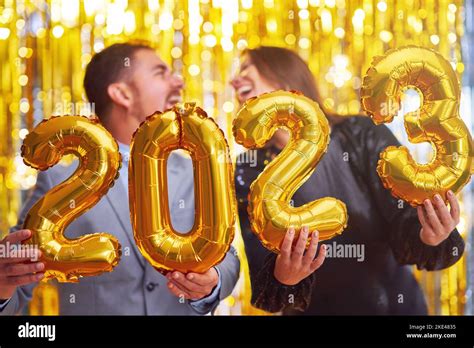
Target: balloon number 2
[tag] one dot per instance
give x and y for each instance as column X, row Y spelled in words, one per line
column 99, row 161
column 437, row 122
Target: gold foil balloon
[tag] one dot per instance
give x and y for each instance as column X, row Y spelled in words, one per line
column 99, row 162
column 269, row 207
column 183, row 127
column 437, row 122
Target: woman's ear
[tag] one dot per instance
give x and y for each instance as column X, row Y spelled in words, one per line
column 120, row 94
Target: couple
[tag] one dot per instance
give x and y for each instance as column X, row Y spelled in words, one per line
column 393, row 235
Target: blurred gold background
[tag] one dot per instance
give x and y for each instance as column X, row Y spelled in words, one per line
column 46, row 44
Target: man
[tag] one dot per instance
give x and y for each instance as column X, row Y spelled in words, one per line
column 126, row 83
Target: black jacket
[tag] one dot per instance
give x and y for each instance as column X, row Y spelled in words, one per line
column 386, row 228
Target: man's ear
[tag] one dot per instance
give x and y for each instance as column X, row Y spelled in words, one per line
column 121, row 94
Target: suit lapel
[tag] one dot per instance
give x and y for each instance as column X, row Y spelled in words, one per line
column 118, row 199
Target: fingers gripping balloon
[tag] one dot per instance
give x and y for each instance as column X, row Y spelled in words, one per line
column 269, row 207
column 183, row 127
column 437, row 122
column 99, row 162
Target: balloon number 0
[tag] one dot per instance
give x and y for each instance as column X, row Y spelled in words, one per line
column 437, row 122
column 183, row 127
column 91, row 254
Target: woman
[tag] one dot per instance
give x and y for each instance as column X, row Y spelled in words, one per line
column 365, row 271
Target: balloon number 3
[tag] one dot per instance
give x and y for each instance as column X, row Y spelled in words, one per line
column 92, row 254
column 437, row 122
column 183, row 127
column 269, row 206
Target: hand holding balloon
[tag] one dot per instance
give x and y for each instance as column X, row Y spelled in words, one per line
column 193, row 286
column 293, row 264
column 17, row 271
column 436, row 220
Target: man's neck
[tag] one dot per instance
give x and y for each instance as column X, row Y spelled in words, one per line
column 121, row 127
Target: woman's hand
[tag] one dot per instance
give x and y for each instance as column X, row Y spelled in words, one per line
column 293, row 264
column 436, row 220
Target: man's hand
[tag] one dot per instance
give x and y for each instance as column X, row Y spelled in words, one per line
column 192, row 286
column 17, row 270
column 293, row 264
column 436, row 220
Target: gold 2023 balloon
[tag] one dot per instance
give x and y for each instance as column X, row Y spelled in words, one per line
column 99, row 162
column 183, row 127
column 269, row 207
column 437, row 122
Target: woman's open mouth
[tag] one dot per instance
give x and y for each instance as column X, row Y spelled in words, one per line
column 244, row 93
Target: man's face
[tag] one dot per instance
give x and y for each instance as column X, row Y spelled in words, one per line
column 155, row 87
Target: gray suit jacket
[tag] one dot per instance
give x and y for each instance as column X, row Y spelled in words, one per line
column 134, row 287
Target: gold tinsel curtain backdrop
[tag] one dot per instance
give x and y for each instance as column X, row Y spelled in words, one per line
column 45, row 46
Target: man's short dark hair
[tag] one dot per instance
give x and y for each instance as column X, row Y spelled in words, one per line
column 106, row 67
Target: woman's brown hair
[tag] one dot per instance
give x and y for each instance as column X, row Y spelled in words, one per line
column 287, row 70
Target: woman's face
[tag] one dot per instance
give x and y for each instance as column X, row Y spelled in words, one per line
column 249, row 83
